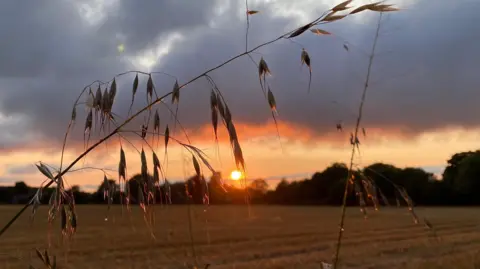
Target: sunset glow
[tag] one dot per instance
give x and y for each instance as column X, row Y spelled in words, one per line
column 236, row 175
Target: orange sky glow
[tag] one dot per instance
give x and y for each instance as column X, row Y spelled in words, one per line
column 298, row 152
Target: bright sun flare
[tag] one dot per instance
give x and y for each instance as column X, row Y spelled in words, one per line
column 236, row 175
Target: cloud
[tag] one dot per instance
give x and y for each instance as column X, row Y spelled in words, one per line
column 7, row 180
column 21, row 169
column 424, row 76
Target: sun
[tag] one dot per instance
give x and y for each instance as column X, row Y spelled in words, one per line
column 236, row 175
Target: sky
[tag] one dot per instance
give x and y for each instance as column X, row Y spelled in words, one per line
column 421, row 105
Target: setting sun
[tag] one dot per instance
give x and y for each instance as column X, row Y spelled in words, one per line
column 236, row 175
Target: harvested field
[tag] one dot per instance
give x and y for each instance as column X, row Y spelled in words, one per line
column 225, row 237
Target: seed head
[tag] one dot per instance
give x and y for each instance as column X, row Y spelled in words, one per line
column 149, row 87
column 106, row 188
column 228, row 115
column 122, row 165
column 221, row 108
column 123, row 160
column 156, row 121
column 320, row 32
column 167, row 136
column 237, row 153
column 339, row 127
column 196, row 165
column 271, row 101
column 64, row 219
column 105, row 101
column 88, row 122
column 144, row 131
column 332, row 17
column 90, row 102
column 305, row 58
column 342, row 6
column 156, row 161
column 156, row 176
column 135, row 85
column 144, row 164
column 45, row 170
column 113, row 91
column 382, row 7
column 232, row 132
column 74, row 113
column 300, row 30
column 213, row 100
column 263, row 68
column 215, row 121
column 175, row 93
column 98, row 98
column 362, row 8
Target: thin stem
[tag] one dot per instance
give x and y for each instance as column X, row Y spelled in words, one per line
column 357, row 125
column 248, row 25
column 145, row 73
column 178, row 122
column 128, row 141
column 93, row 168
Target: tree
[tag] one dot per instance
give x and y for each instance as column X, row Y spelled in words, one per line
column 416, row 181
column 217, row 190
column 385, row 176
column 21, row 188
column 451, row 170
column 257, row 190
column 259, row 185
column 334, row 178
column 110, row 184
column 467, row 179
column 197, row 189
column 75, row 189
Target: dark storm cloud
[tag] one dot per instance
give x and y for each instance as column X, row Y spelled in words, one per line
column 424, row 75
column 49, row 54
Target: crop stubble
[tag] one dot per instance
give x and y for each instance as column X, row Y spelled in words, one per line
column 274, row 237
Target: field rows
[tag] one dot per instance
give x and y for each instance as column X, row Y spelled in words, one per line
column 272, row 237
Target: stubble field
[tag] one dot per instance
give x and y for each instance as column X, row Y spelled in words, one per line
column 226, row 237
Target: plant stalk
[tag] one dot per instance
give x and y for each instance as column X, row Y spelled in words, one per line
column 357, row 126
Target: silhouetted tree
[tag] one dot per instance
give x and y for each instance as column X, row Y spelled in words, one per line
column 217, row 190
column 21, row 188
column 80, row 196
column 467, row 179
column 257, row 190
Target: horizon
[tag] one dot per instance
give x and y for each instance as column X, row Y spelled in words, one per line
column 272, row 181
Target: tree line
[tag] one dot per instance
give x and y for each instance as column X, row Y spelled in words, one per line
column 378, row 183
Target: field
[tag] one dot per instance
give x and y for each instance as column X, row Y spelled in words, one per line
column 225, row 237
